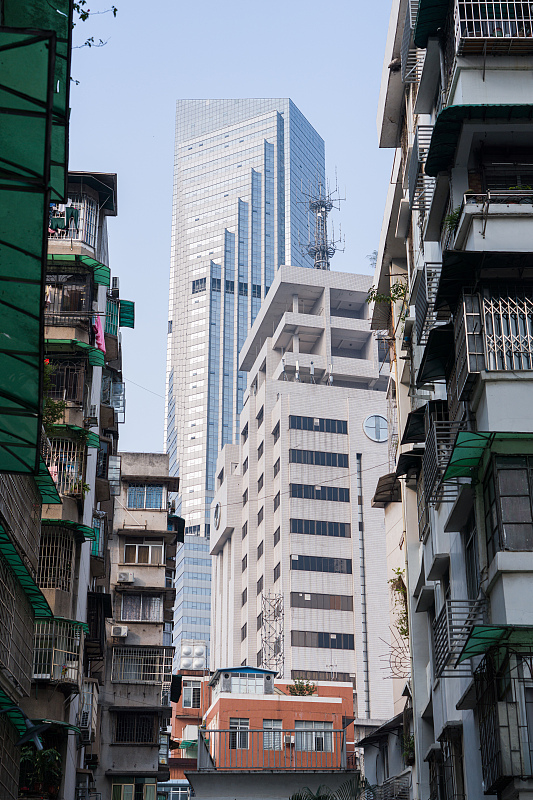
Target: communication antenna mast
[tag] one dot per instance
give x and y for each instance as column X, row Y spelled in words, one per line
column 320, row 248
column 272, row 632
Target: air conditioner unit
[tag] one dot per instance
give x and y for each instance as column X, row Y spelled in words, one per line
column 115, row 287
column 289, row 740
column 119, row 631
column 125, row 577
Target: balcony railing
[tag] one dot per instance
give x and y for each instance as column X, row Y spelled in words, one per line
column 56, row 558
column 425, row 314
column 422, row 509
column 88, row 710
column 421, row 186
column 493, row 28
column 146, row 665
column 450, row 632
column 394, row 789
column 67, row 465
column 440, row 440
column 68, row 300
column 16, row 629
column 67, row 381
column 300, row 750
column 20, row 505
column 77, row 221
column 96, row 616
column 57, row 652
column 113, row 394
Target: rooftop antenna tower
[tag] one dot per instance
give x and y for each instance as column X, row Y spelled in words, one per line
column 272, row 633
column 320, row 247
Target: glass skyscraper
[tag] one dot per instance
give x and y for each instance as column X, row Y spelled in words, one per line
column 244, row 171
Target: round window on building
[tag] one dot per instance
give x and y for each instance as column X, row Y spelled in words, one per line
column 376, row 428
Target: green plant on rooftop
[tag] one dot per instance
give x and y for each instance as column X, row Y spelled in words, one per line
column 302, row 687
column 356, row 788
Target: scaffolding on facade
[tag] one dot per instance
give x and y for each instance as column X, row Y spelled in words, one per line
column 272, row 656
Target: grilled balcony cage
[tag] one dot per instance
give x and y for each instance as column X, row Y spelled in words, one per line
column 56, row 558
column 451, row 629
column 504, row 692
column 98, row 543
column 131, row 727
column 77, row 220
column 146, row 665
column 88, row 711
column 441, row 434
column 67, row 381
column 392, row 424
column 313, row 746
column 412, row 59
column 113, row 393
column 426, row 293
column 394, row 789
column 112, row 316
column 452, row 769
column 67, row 465
column 422, row 509
column 493, row 28
column 102, row 458
column 16, row 629
column 113, row 475
column 68, row 299
column 9, row 759
column 57, row 652
column 20, row 509
column 420, row 185
column 457, row 409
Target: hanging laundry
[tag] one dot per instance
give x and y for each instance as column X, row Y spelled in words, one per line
column 99, row 333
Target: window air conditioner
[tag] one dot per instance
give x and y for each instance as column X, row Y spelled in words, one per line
column 289, row 740
column 119, row 631
column 125, row 577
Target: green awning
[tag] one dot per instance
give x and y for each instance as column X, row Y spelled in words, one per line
column 17, row 566
column 16, row 717
column 482, row 637
column 188, row 744
column 430, row 18
column 469, row 447
column 126, row 314
column 91, row 439
column 101, row 273
column 46, row 485
column 95, row 356
column 82, row 532
column 449, row 124
column 438, row 355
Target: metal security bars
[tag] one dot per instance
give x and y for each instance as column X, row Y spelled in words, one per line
column 16, row 629
column 393, row 789
column 450, row 632
column 67, row 465
column 421, row 186
column 113, row 394
column 88, row 710
column 9, row 759
column 412, row 59
column 493, row 28
column 68, row 299
column 426, row 294
column 67, row 381
column 56, row 558
column 319, row 748
column 440, row 439
column 57, row 652
column 76, row 221
column 151, row 665
column 20, row 507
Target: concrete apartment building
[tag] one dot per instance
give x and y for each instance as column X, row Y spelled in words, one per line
column 455, row 260
column 298, row 551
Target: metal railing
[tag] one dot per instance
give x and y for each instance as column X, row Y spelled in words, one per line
column 440, row 440
column 56, row 558
column 422, row 509
column 67, row 381
column 421, row 186
column 300, row 750
column 493, row 27
column 393, row 789
column 57, row 652
column 148, row 665
column 451, row 629
column 68, row 300
column 77, row 221
column 67, row 465
column 425, row 315
column 16, row 629
column 20, row 511
column 113, row 394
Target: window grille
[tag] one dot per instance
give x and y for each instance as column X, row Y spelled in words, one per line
column 67, row 381
column 77, row 220
column 20, row 508
column 9, row 759
column 135, row 728
column 142, row 608
column 67, row 465
column 102, row 458
column 56, row 559
column 16, row 629
column 111, row 316
column 141, row 664
column 88, row 710
column 145, row 495
column 97, row 545
column 68, row 299
column 57, row 651
column 272, row 737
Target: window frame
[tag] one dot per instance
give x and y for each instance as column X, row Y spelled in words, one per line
column 150, row 544
column 148, row 485
column 191, row 686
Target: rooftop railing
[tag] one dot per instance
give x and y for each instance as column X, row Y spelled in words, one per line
column 493, row 28
column 283, row 749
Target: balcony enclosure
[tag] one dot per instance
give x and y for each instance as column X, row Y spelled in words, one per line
column 493, row 28
column 67, row 381
column 56, row 558
column 145, row 665
column 450, row 632
column 20, row 511
column 16, row 630
column 440, row 438
column 426, row 293
column 68, row 299
column 57, row 652
column 75, row 221
column 66, row 463
column 504, row 692
column 113, row 394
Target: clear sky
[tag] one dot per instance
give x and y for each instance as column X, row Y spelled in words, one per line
column 326, row 56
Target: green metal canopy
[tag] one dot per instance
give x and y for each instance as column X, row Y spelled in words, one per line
column 82, row 531
column 449, row 124
column 35, row 47
column 46, row 485
column 482, row 637
column 15, row 716
column 430, row 18
column 92, row 439
column 95, row 356
column 101, row 273
column 469, row 447
column 126, row 314
column 30, row 588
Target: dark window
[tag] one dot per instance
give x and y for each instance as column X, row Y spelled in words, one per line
column 243, row 632
column 275, row 433
column 260, row 416
column 260, row 585
column 319, row 527
column 260, row 482
column 243, row 289
column 471, row 558
column 318, row 458
column 276, row 501
column 260, row 621
column 259, row 550
column 277, row 534
column 310, row 492
column 259, row 658
column 191, row 694
column 277, row 571
column 260, row 450
column 216, row 284
column 244, row 563
column 135, row 728
column 331, row 602
column 256, row 290
column 245, row 466
column 276, row 467
column 260, row 515
column 330, row 641
column 198, row 286
column 244, row 433
column 317, row 424
column 244, row 530
column 245, row 497
column 322, row 564
column 244, row 597
column 508, row 504
column 230, row 287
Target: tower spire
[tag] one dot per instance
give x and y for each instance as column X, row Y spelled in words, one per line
column 320, row 248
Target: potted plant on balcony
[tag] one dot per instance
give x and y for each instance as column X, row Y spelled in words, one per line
column 40, row 770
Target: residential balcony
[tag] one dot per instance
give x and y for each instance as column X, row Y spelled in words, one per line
column 451, row 629
column 67, row 465
column 68, row 300
column 424, row 294
column 58, row 653
column 88, row 711
column 19, row 497
column 67, row 381
column 99, row 609
column 279, row 750
column 488, row 29
column 142, row 665
column 440, row 439
column 496, row 221
column 113, row 395
column 393, row 789
column 420, row 186
column 76, row 221
column 16, row 631
column 56, row 576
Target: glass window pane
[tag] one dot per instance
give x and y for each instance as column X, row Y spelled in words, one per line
column 157, row 555
column 143, row 553
column 130, row 554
